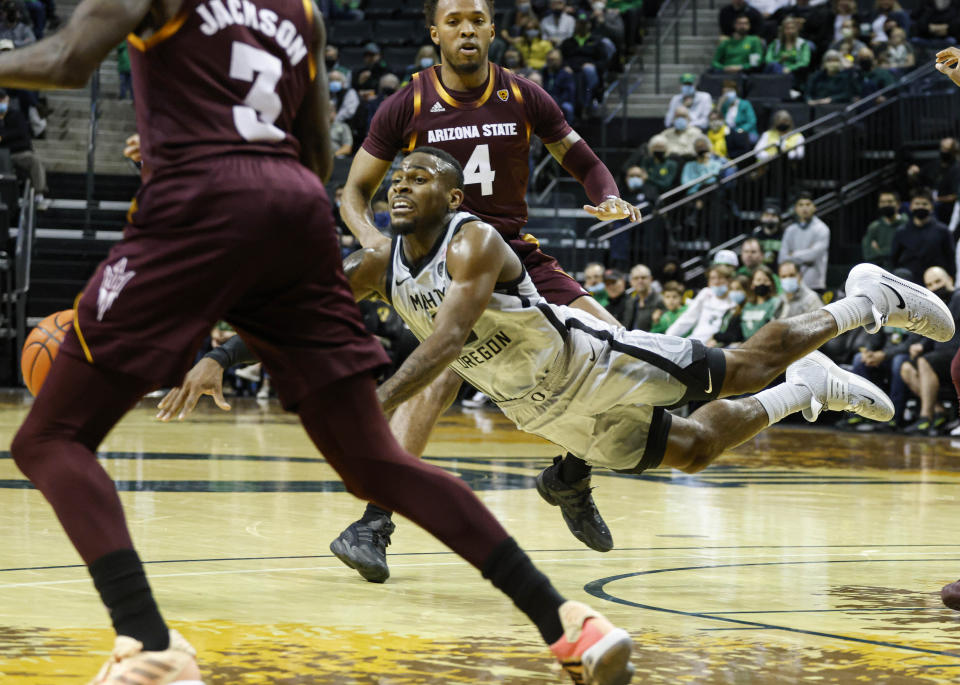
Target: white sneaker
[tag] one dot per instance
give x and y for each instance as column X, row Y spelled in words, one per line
column 478, row 400
column 898, row 302
column 838, row 390
column 130, row 665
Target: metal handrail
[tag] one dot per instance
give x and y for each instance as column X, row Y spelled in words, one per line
column 23, row 259
column 662, row 29
column 747, row 163
column 92, row 151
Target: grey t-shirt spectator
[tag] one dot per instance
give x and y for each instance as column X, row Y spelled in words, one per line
column 557, row 29
column 808, row 245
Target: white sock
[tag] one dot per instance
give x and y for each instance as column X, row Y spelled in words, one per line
column 782, row 400
column 851, row 312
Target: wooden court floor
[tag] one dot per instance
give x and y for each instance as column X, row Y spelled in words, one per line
column 804, row 556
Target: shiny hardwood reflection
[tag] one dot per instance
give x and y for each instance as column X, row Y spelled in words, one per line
column 804, row 555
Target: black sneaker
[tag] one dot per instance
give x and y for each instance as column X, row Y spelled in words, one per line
column 919, row 427
column 363, row 546
column 577, row 506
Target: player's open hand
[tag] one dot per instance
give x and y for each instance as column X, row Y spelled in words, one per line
column 132, row 149
column 205, row 378
column 613, row 208
column 947, row 63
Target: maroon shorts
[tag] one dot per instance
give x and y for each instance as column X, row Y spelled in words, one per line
column 246, row 238
column 553, row 283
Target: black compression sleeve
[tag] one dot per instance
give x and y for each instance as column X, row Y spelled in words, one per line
column 231, row 353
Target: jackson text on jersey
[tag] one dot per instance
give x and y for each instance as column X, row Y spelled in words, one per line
column 219, row 14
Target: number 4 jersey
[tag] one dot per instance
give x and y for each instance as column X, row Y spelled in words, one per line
column 487, row 130
column 223, row 76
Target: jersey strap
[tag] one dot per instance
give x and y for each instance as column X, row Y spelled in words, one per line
column 417, row 101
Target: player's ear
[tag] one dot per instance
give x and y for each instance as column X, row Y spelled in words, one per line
column 455, row 199
column 434, row 36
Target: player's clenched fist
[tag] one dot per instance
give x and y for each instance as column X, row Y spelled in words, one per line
column 613, row 208
column 132, row 149
column 947, row 61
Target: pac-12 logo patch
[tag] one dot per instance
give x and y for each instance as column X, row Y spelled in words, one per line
column 503, row 94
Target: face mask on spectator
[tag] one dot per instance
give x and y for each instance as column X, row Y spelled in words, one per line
column 729, row 96
column 770, row 225
column 790, row 284
column 888, row 211
column 716, row 125
column 336, row 86
column 687, row 89
column 524, row 8
column 331, row 63
column 680, row 123
column 659, row 155
column 761, row 290
column 4, row 106
column 846, row 32
column 532, row 33
column 426, row 62
column 595, row 288
column 831, row 67
column 943, row 293
column 947, row 156
column 783, row 128
column 719, row 290
column 866, row 64
column 511, row 62
column 556, row 13
column 702, row 151
column 921, row 213
column 634, row 183
column 599, row 6
column 737, row 296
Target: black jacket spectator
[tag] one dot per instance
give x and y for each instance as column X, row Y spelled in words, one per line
column 14, row 134
column 624, row 309
column 928, row 13
column 578, row 50
column 917, row 248
column 728, row 14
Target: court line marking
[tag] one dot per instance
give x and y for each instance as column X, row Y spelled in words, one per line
column 596, row 589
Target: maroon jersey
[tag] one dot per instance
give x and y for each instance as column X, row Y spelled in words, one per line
column 486, row 129
column 223, row 76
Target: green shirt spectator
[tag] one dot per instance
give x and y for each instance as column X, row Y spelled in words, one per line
column 878, row 241
column 667, row 319
column 755, row 314
column 740, row 51
column 790, row 56
column 661, row 171
column 833, row 83
column 624, row 5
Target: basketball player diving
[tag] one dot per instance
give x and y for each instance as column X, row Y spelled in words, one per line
column 233, row 118
column 597, row 390
column 483, row 115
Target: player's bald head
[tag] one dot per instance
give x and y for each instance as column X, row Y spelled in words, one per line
column 445, row 164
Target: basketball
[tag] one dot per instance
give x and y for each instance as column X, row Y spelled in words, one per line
column 40, row 348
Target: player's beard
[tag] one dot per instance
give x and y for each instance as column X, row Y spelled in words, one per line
column 403, row 225
column 460, row 65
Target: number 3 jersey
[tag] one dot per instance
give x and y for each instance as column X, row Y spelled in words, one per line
column 486, row 129
column 512, row 344
column 223, row 76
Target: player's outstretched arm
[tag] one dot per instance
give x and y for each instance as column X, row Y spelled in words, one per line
column 578, row 159
column 312, row 124
column 475, row 260
column 948, row 63
column 366, row 270
column 366, row 175
column 69, row 56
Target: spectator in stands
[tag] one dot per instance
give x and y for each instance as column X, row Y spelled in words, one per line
column 801, row 11
column 661, row 170
column 778, row 139
column 649, row 303
column 515, row 20
column 762, row 305
column 923, row 242
column 560, row 83
column 751, row 257
column 741, row 52
column 608, row 23
column 843, row 11
column 15, row 25
column 726, row 258
column 717, row 132
column 729, row 334
column 670, row 269
column 513, row 60
column 849, row 44
column 898, row 53
column 807, row 242
column 342, row 98
column 797, row 297
column 885, row 11
column 640, row 189
column 15, row 137
column 593, row 282
column 341, row 137
column 331, row 58
column 705, row 312
column 705, row 167
column 559, row 23
column 874, row 77
column 532, row 46
column 944, row 177
column 877, row 242
column 585, row 54
column 698, row 103
column 620, row 304
column 341, row 10
column 426, row 57
column 729, row 14
column 770, row 234
column 740, row 117
column 673, row 307
column 124, row 77
column 789, row 53
column 679, row 138
column 374, row 66
column 388, row 85
column 832, row 83
column 929, row 365
column 936, row 23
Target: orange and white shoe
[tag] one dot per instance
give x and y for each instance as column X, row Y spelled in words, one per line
column 592, row 650
column 130, row 665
